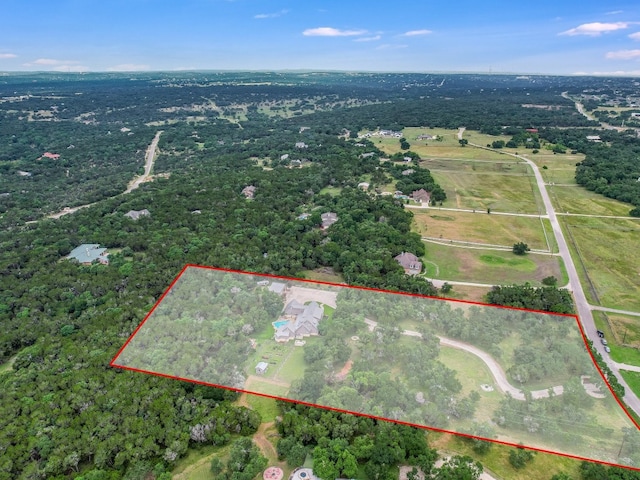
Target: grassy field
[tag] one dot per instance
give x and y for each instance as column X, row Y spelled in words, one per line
column 333, row 191
column 514, row 193
column 633, row 379
column 323, row 275
column 447, row 148
column 608, row 248
column 619, row 353
column 561, row 168
column 543, row 466
column 265, row 406
column 467, row 293
column 489, row 266
column 8, row 365
column 581, row 200
column 196, row 464
column 504, row 166
column 480, row 228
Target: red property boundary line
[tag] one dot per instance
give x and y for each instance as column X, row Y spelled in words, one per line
column 624, row 408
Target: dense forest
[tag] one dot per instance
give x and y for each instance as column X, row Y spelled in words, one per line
column 64, row 413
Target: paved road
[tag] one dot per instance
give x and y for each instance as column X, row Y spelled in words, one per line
column 582, row 306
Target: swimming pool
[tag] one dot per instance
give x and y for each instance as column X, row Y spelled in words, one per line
column 280, row 323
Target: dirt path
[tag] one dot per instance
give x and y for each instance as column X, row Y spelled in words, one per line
column 150, row 158
column 135, row 183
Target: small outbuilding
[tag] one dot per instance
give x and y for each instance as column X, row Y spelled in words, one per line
column 261, row 368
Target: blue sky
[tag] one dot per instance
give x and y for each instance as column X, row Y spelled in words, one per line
column 536, row 36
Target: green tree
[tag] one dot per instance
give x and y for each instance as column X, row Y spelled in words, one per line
column 520, row 248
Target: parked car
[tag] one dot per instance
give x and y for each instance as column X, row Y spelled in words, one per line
column 604, row 341
column 600, row 333
column 607, row 349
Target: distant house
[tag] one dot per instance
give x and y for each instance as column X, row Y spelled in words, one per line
column 284, row 157
column 363, row 185
column 407, row 159
column 249, row 191
column 277, row 287
column 52, row 156
column 367, row 155
column 408, row 172
column 426, row 136
column 303, row 216
column 531, row 130
column 421, row 196
column 301, row 145
column 263, row 283
column 328, row 219
column 304, row 322
column 594, row 138
column 411, row 264
column 87, row 253
column 261, row 368
column 136, row 214
column 22, row 173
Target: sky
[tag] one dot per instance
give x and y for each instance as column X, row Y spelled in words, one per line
column 510, row 36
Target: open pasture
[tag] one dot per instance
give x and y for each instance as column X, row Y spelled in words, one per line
column 480, row 227
column 609, row 250
column 506, row 193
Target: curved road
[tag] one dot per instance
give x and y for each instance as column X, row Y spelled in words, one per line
column 494, row 367
column 582, row 306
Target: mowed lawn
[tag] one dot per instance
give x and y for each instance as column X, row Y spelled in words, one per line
column 481, row 227
column 489, row 266
column 609, row 250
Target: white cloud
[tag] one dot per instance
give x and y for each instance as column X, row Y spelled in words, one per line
column 623, row 55
column 635, row 36
column 368, row 39
column 331, row 32
column 596, row 29
column 271, row 15
column 415, row 33
column 7, row 55
column 128, row 67
column 51, row 62
column 614, row 12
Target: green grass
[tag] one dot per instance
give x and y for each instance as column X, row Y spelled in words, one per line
column 619, row 353
column 266, row 407
column 481, row 227
column 633, row 379
column 497, row 268
column 8, row 365
column 543, row 466
column 521, row 263
column 514, row 193
column 186, row 469
column 333, row 191
column 582, row 201
column 609, row 249
column 293, row 365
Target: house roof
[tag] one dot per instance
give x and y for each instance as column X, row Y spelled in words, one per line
column 87, row 253
column 329, row 218
column 408, row 261
column 277, row 287
column 421, row 195
column 136, row 214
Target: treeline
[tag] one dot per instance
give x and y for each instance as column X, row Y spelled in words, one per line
column 548, row 299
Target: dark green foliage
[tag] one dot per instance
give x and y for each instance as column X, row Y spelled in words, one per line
column 520, row 248
column 519, row 457
column 549, row 299
column 550, row 281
